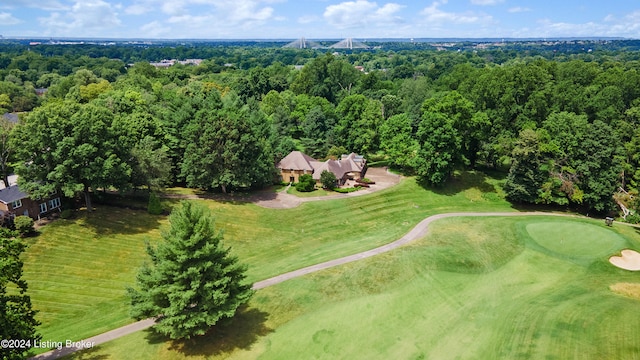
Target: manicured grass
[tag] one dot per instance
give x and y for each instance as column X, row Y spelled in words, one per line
column 183, row 191
column 78, row 269
column 276, row 241
column 474, row 288
column 575, row 239
column 317, row 192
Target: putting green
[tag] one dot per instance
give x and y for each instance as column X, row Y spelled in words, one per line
column 575, row 239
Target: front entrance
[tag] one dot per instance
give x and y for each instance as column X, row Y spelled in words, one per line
column 292, row 179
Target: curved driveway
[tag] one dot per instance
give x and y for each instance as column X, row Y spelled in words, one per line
column 282, row 200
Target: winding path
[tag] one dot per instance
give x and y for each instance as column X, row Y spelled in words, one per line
column 418, row 232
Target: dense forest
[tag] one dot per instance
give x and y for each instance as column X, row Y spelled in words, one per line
column 560, row 122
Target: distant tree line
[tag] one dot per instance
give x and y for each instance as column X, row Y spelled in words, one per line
column 563, row 128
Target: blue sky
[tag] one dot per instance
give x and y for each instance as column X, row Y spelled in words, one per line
column 360, row 19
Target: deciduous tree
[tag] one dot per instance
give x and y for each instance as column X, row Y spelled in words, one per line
column 64, row 146
column 229, row 148
column 328, row 179
column 525, row 177
column 397, row 140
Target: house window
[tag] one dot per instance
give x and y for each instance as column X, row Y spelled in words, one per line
column 54, row 203
column 43, row 208
column 16, row 204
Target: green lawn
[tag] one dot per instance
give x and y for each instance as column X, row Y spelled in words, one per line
column 474, row 288
column 315, row 193
column 276, row 241
column 574, row 240
column 77, row 270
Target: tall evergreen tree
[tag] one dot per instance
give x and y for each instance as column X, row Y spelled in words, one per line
column 17, row 320
column 193, row 281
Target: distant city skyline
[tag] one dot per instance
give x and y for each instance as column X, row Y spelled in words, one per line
column 288, row 19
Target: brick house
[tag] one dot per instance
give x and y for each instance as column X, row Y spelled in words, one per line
column 14, row 202
column 294, row 165
column 352, row 166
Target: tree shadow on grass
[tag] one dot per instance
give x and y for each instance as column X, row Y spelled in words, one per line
column 109, row 220
column 87, row 354
column 462, row 181
column 240, row 332
column 233, row 197
column 90, row 354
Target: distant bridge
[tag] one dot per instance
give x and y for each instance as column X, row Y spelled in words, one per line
column 303, row 43
column 348, row 43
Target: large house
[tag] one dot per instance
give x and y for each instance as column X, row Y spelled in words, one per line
column 14, row 202
column 352, row 166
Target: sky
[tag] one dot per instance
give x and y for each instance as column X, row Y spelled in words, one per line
column 319, row 19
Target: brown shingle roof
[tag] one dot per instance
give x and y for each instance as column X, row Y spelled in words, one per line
column 333, row 166
column 296, row 161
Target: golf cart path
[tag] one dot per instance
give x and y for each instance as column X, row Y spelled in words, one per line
column 418, row 232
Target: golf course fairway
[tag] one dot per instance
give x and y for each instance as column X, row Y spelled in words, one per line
column 472, row 288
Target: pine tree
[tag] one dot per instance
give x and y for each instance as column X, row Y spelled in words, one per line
column 193, row 281
column 17, row 320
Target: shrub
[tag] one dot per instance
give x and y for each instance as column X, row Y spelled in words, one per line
column 154, row 207
column 346, row 190
column 66, row 214
column 633, row 218
column 328, row 179
column 7, row 233
column 306, row 183
column 23, row 225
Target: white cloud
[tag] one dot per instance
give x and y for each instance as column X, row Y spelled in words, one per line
column 360, row 13
column 173, row 8
column 518, row 9
column 191, row 20
column 137, row 9
column 433, row 14
column 220, row 11
column 627, row 26
column 85, row 18
column 308, row 19
column 486, row 2
column 213, row 18
column 155, row 29
column 48, row 5
column 244, row 10
column 7, row 19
